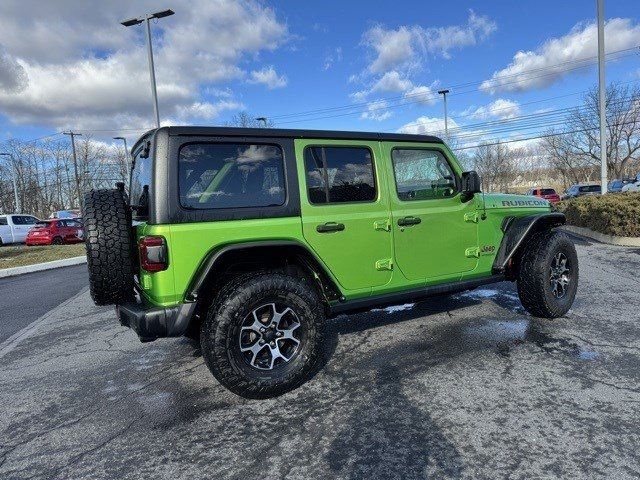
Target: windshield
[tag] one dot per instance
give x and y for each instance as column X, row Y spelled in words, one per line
column 548, row 191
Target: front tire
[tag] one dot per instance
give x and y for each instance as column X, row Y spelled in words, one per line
column 548, row 274
column 263, row 335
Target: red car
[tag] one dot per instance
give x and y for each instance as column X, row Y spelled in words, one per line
column 55, row 232
column 546, row 193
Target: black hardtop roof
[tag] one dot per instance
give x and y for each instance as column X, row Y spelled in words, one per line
column 293, row 133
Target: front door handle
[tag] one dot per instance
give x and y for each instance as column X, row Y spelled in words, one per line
column 408, row 221
column 330, row 227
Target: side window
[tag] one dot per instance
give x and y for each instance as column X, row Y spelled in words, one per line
column 20, row 220
column 60, row 224
column 422, row 174
column 140, row 180
column 30, row 220
column 3, row 221
column 231, row 176
column 339, row 174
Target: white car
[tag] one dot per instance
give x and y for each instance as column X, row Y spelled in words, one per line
column 14, row 228
column 631, row 187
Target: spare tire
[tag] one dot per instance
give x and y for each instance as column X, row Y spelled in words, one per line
column 110, row 246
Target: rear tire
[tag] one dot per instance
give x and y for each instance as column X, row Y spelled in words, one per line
column 548, row 274
column 109, row 242
column 292, row 318
column 57, row 241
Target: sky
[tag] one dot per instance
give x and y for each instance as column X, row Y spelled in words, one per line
column 370, row 66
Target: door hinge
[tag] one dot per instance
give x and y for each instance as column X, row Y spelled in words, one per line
column 471, row 217
column 382, row 225
column 472, row 252
column 384, row 264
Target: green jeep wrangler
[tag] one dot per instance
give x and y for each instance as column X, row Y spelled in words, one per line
column 252, row 238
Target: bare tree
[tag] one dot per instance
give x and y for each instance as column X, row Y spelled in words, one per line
column 576, row 154
column 496, row 164
column 243, row 119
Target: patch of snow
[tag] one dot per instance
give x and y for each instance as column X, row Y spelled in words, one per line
column 395, row 308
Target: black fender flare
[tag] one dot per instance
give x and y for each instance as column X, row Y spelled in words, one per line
column 215, row 255
column 518, row 229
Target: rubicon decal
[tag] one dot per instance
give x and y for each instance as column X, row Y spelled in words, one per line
column 524, row 203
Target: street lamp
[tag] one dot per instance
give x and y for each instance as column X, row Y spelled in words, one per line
column 152, row 73
column 13, row 178
column 446, row 126
column 126, row 151
column 263, row 120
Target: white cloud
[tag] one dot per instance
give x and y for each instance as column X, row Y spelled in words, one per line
column 377, row 110
column 549, row 61
column 501, row 108
column 393, row 48
column 401, row 47
column 421, row 94
column 205, row 110
column 427, row 126
column 392, row 82
column 84, row 70
column 334, row 57
column 269, row 77
column 13, row 77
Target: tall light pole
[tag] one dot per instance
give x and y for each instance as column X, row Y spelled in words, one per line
column 446, row 123
column 15, row 183
column 75, row 164
column 601, row 92
column 263, row 120
column 152, row 72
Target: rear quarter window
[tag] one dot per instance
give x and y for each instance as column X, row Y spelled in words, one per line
column 234, row 175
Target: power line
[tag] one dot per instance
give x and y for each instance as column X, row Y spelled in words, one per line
column 547, row 135
column 431, row 96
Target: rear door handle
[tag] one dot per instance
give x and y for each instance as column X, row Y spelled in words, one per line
column 408, row 221
column 330, row 227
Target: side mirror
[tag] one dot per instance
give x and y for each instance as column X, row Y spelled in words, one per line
column 470, row 185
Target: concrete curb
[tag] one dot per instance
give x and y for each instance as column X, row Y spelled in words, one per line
column 601, row 237
column 67, row 262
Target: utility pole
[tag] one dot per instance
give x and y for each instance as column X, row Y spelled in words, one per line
column 152, row 72
column 446, row 123
column 602, row 90
column 15, row 183
column 75, row 164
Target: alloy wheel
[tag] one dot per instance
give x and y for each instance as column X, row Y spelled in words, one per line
column 560, row 275
column 269, row 336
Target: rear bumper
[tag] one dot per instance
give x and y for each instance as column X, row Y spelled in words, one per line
column 151, row 323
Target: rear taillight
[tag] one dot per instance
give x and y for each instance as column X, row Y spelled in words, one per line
column 153, row 254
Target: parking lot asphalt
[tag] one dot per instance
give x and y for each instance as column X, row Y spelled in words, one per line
column 467, row 386
column 27, row 297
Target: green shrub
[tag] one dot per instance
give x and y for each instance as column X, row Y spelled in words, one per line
column 613, row 214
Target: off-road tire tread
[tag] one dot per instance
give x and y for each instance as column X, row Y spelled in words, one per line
column 107, row 229
column 532, row 279
column 238, row 292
